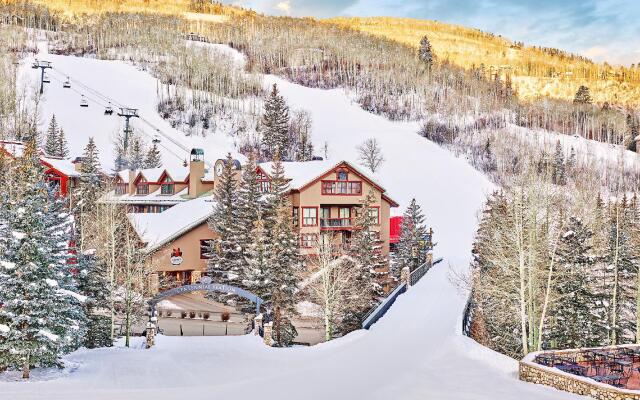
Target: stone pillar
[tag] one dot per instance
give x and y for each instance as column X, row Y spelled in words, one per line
column 195, row 276
column 268, row 329
column 151, row 334
column 405, row 276
column 257, row 324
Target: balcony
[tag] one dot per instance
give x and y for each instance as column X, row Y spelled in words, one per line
column 336, row 223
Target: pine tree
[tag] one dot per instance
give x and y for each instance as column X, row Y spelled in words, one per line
column 121, row 160
column 248, row 209
column 583, row 96
column 558, row 175
column 225, row 263
column 153, row 158
column 573, row 323
column 257, row 278
column 51, row 146
column 61, row 147
column 94, row 284
column 89, row 189
column 633, row 133
column 283, row 268
column 40, row 309
column 425, row 52
column 366, row 250
column 275, row 126
column 411, row 251
column 136, row 160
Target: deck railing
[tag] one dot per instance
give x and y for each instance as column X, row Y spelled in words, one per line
column 381, row 309
column 336, row 223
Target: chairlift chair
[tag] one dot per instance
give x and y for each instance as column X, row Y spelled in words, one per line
column 67, row 84
column 108, row 110
column 46, row 78
column 84, row 102
column 156, row 137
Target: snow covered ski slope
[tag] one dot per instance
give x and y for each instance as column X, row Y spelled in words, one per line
column 415, row 352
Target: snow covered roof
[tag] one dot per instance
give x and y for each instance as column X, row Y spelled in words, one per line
column 155, row 197
column 178, row 174
column 62, row 165
column 14, row 148
column 159, row 229
column 304, row 173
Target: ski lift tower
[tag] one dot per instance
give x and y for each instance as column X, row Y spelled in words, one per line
column 127, row 114
column 42, row 65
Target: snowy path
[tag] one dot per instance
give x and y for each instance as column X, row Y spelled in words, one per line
column 415, row 352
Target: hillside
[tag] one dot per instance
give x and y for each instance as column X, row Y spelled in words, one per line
column 534, row 71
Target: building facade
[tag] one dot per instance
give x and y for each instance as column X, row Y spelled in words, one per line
column 325, row 199
column 61, row 174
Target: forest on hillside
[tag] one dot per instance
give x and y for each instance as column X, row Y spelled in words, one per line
column 532, row 230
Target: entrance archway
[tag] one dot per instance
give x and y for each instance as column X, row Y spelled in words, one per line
column 207, row 286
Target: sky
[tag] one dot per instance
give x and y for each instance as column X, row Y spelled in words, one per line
column 603, row 30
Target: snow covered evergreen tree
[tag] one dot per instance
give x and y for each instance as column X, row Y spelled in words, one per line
column 282, row 257
column 226, row 264
column 93, row 283
column 572, row 322
column 89, row 190
column 248, row 209
column 283, row 267
column 366, row 250
column 137, row 158
column 257, row 279
column 51, row 138
column 62, row 150
column 275, row 126
column 153, row 158
column 40, row 310
column 558, row 174
column 411, row 251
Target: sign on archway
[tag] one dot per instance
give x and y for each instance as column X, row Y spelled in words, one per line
column 207, row 286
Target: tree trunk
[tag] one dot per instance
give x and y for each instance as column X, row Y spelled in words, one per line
column 25, row 368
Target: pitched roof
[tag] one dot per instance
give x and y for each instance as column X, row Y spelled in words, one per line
column 302, row 174
column 155, row 197
column 159, row 229
column 60, row 164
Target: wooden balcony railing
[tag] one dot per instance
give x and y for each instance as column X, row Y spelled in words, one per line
column 336, row 223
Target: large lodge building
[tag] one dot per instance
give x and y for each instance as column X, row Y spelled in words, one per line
column 169, row 208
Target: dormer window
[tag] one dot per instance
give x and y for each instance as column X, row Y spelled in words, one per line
column 167, row 187
column 121, row 188
column 142, row 187
column 342, row 175
column 263, row 182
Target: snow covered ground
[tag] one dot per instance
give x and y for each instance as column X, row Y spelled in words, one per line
column 415, row 352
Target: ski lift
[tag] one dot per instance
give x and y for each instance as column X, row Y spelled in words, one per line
column 84, row 102
column 156, row 137
column 67, row 84
column 108, row 110
column 46, row 79
column 35, row 64
column 184, row 164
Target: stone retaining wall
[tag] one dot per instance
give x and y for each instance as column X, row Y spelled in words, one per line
column 530, row 371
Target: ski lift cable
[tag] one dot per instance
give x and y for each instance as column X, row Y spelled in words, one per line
column 88, row 88
column 112, row 101
column 168, row 149
column 98, row 102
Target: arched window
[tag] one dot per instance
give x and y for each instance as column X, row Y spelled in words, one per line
column 167, row 187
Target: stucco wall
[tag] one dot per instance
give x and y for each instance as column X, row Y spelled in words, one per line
column 189, row 244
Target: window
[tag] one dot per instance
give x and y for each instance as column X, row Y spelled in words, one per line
column 205, row 248
column 142, row 187
column 342, row 175
column 167, row 186
column 374, row 214
column 295, row 215
column 345, row 188
column 308, row 240
column 309, row 216
column 263, row 182
column 325, row 213
column 121, row 188
column 344, row 212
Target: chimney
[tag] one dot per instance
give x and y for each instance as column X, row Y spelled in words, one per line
column 77, row 164
column 132, row 177
column 196, row 173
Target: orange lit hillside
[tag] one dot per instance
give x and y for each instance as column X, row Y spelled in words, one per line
column 533, row 71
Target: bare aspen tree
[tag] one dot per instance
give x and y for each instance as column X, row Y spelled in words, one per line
column 370, row 154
